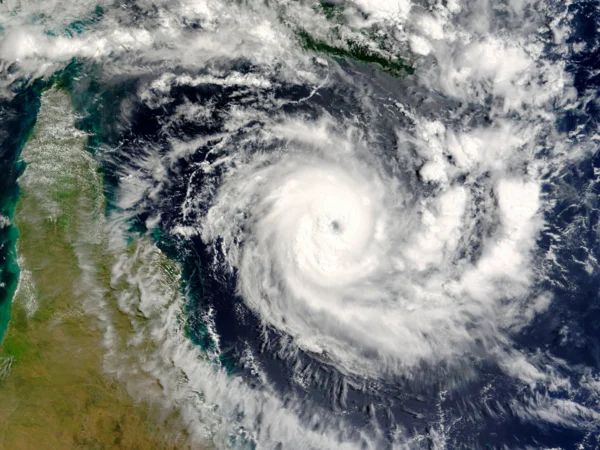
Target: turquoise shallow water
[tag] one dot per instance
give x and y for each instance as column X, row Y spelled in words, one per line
column 9, row 270
column 18, row 118
column 176, row 116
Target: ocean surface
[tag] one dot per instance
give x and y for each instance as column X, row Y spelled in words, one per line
column 383, row 252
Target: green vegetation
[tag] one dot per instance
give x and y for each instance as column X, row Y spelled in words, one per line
column 332, row 11
column 357, row 52
column 355, row 49
column 54, row 393
column 25, row 105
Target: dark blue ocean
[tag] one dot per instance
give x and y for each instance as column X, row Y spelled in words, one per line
column 122, row 127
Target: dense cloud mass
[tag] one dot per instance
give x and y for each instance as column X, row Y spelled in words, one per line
column 392, row 240
column 329, row 247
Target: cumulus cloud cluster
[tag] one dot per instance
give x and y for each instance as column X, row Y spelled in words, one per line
column 379, row 264
column 327, row 250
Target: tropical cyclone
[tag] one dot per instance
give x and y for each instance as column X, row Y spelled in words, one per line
column 328, row 250
column 381, row 214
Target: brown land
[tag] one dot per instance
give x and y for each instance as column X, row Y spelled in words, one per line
column 53, row 391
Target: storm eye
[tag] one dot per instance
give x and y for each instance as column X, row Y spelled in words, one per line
column 336, row 227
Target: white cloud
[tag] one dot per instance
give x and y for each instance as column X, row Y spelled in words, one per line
column 386, row 9
column 332, row 247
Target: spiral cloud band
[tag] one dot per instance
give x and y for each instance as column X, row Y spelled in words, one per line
column 334, row 254
column 310, row 242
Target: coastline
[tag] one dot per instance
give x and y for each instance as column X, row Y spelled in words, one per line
column 19, row 116
column 54, row 387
